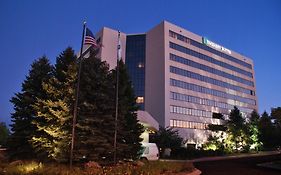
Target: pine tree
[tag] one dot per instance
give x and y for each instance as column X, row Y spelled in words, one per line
column 167, row 138
column 55, row 113
column 23, row 116
column 95, row 127
column 4, row 133
column 276, row 116
column 129, row 130
column 267, row 132
column 254, row 132
column 236, row 129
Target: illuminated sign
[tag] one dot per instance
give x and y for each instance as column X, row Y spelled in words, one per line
column 215, row 46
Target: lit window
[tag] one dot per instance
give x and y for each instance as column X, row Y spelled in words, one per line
column 171, row 123
column 140, row 100
column 178, row 123
column 184, row 124
column 140, row 65
column 175, row 123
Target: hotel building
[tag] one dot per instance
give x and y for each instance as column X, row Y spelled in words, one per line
column 181, row 78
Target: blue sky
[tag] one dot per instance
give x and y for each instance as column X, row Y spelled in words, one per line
column 30, row 29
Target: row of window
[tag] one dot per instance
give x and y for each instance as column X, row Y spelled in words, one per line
column 210, row 80
column 201, row 89
column 209, row 49
column 188, row 124
column 210, row 69
column 207, row 102
column 190, row 111
column 209, row 59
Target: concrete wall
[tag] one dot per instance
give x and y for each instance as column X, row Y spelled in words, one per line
column 109, row 40
column 157, row 76
column 154, row 74
column 198, row 135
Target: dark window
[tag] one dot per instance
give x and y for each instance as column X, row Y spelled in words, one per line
column 209, row 59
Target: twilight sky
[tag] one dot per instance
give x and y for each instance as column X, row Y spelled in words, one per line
column 30, row 29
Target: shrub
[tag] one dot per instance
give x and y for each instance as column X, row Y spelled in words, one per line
column 125, row 168
column 191, row 153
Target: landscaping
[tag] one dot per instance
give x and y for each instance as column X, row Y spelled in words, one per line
column 92, row 168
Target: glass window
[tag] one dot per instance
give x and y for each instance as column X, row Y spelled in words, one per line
column 139, row 100
column 171, row 123
column 209, row 59
column 199, row 77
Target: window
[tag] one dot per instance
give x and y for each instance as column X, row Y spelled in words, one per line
column 135, row 61
column 205, row 47
column 209, row 59
column 139, row 100
column 140, row 65
column 189, row 86
column 199, row 77
column 171, row 123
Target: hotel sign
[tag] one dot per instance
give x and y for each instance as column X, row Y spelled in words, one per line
column 215, row 46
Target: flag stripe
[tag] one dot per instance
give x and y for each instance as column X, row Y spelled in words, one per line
column 90, row 38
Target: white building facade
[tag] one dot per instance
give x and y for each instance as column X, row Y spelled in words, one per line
column 181, row 78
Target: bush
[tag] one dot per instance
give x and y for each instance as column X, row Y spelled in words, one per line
column 128, row 168
column 191, row 153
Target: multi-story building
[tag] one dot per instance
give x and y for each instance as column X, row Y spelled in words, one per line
column 181, row 78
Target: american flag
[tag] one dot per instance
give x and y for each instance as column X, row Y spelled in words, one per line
column 90, row 38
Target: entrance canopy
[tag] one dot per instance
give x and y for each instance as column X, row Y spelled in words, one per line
column 147, row 120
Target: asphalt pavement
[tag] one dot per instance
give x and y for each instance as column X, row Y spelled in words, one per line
column 238, row 165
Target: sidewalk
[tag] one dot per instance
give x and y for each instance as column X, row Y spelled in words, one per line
column 227, row 157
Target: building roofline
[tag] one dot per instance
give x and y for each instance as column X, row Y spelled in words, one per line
column 136, row 34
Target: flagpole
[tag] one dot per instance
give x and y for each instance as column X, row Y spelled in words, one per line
column 76, row 97
column 116, row 103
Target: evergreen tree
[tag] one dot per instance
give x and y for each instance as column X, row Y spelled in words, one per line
column 236, row 129
column 267, row 132
column 54, row 114
column 129, row 130
column 253, row 131
column 4, row 133
column 95, row 127
column 276, row 116
column 23, row 115
column 167, row 138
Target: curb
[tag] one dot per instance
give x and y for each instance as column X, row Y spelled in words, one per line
column 205, row 159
